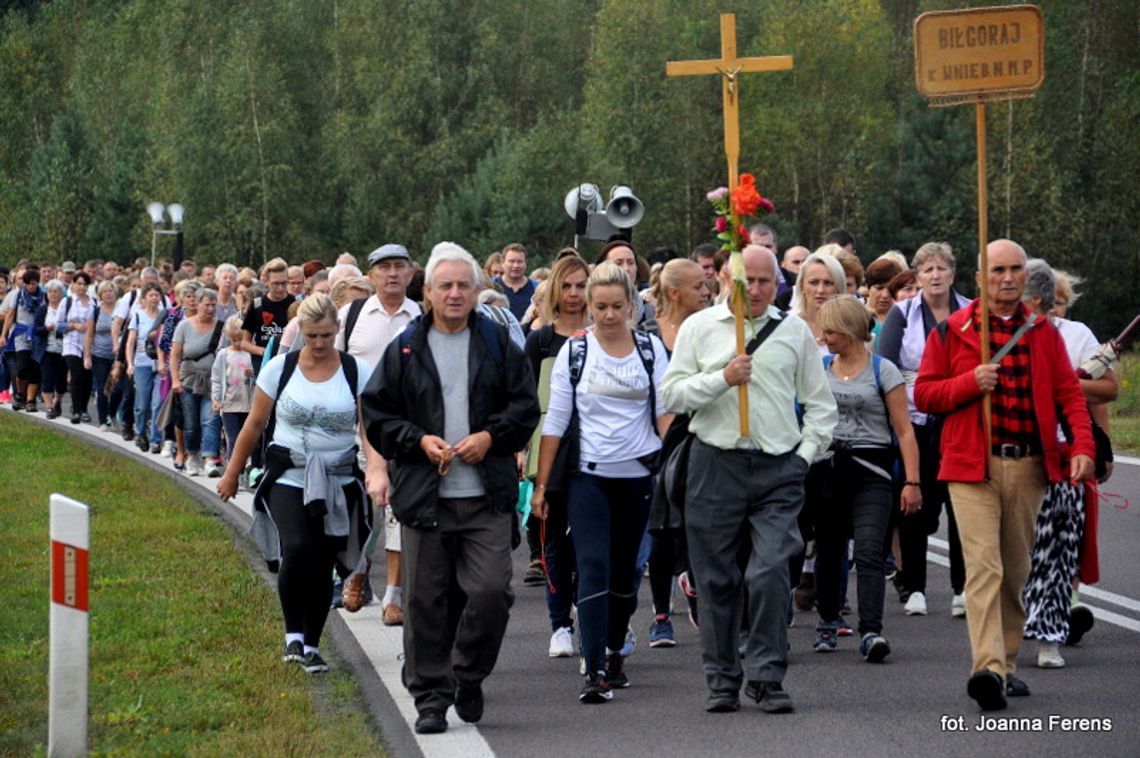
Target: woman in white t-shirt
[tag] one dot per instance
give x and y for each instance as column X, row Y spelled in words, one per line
column 851, row 489
column 609, row 490
column 310, row 508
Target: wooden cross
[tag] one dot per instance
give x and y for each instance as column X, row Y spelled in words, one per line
column 729, row 67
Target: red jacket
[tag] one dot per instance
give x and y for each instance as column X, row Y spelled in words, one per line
column 946, row 386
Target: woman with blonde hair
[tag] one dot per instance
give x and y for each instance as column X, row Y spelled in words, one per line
column 820, row 279
column 851, row 487
column 313, row 396
column 608, row 489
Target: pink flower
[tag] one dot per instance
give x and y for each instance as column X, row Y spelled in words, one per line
column 721, row 224
column 766, row 204
column 717, row 194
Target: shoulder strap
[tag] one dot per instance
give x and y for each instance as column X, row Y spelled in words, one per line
column 95, row 314
column 577, row 358
column 131, row 302
column 545, row 339
column 405, row 340
column 215, row 338
column 351, row 317
column 1007, row 347
column 827, row 361
column 491, row 334
column 763, row 334
column 644, row 344
column 348, row 366
column 287, row 371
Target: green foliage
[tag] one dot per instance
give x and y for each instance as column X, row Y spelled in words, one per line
column 303, row 129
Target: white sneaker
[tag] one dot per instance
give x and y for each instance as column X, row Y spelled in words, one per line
column 915, row 604
column 194, row 465
column 562, row 643
column 213, row 471
column 168, row 449
column 958, row 605
column 1049, row 656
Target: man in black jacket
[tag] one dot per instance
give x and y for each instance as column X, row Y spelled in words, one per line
column 450, row 404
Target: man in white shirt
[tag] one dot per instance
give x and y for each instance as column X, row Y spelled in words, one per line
column 366, row 328
column 747, row 488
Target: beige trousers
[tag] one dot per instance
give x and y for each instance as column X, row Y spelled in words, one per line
column 995, row 522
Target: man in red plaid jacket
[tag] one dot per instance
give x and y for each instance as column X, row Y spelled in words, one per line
column 997, row 492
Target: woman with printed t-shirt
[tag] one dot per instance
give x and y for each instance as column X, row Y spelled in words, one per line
column 141, row 367
column 620, row 417
column 310, row 507
column 192, row 351
column 851, row 488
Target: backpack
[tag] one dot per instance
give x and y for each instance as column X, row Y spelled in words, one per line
column 352, row 317
column 493, row 339
column 347, row 367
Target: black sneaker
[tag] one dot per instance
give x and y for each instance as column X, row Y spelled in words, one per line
column 1080, row 622
column 85, row 418
column 314, row 663
column 142, row 444
column 431, row 721
column 17, row 403
column 770, row 696
column 723, row 701
column 294, row 652
column 534, row 574
column 596, row 690
column 155, row 449
column 986, row 688
column 469, row 702
column 75, row 418
column 615, row 672
column 128, row 433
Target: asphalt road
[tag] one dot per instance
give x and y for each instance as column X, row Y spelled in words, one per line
column 907, row 706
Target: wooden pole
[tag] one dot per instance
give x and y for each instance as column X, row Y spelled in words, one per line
column 983, row 263
column 740, row 310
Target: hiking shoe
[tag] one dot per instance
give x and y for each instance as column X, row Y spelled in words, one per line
column 194, row 465
column 1014, row 687
column 958, row 606
column 431, row 721
column 842, row 628
column 1081, row 620
column 630, row 643
column 595, row 690
column 562, row 643
column 75, row 419
column 128, row 433
column 294, row 652
column 469, row 702
column 915, row 604
column 826, row 640
column 534, row 573
column 805, row 592
column 314, row 663
column 985, row 687
column 392, row 615
column 770, row 696
column 661, row 632
column 722, row 701
column 1049, row 655
column 615, row 672
column 874, row 648
column 31, row 407
column 142, row 444
column 685, row 584
column 17, row 404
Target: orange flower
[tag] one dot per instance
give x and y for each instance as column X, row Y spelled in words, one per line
column 745, row 199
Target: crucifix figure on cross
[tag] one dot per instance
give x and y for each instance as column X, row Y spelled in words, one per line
column 729, row 68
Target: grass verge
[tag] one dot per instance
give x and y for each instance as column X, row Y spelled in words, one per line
column 185, row 638
column 1124, row 414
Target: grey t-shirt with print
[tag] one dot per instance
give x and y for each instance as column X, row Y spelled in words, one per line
column 863, row 420
column 450, row 354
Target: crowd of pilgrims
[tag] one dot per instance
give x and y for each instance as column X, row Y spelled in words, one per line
column 169, row 358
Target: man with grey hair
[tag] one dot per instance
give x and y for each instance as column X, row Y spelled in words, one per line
column 450, row 404
column 747, row 492
column 998, row 464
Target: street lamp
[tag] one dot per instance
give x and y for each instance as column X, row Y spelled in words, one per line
column 158, row 214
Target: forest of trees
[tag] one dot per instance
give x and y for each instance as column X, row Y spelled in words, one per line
column 303, row 128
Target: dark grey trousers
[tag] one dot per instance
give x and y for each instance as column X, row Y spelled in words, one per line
column 743, row 498
column 457, row 599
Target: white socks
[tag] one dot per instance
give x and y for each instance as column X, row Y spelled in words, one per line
column 393, row 596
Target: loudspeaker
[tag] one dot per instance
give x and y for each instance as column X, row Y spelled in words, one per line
column 624, row 209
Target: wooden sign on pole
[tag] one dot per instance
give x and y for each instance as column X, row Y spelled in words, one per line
column 729, row 68
column 980, row 55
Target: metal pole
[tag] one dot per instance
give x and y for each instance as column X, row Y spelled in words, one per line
column 153, row 244
column 67, row 691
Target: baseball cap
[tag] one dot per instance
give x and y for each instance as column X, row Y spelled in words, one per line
column 384, row 252
column 68, row 266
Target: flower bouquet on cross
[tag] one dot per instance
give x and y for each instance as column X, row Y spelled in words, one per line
column 732, row 209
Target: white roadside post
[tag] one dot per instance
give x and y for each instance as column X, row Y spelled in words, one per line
column 67, row 693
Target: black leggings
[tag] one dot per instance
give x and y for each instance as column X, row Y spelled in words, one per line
column 668, row 557
column 304, row 581
column 80, row 384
